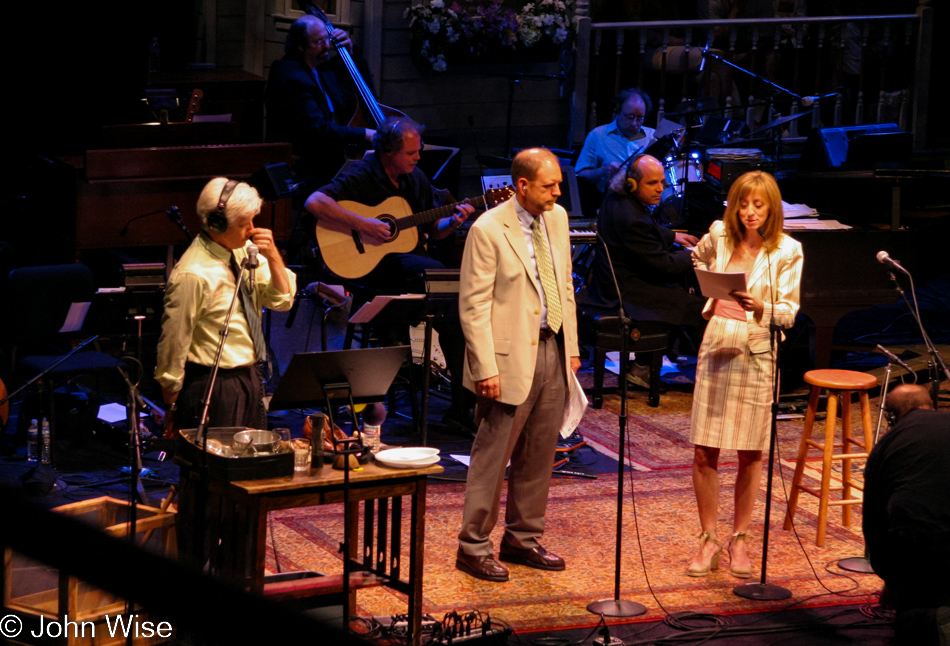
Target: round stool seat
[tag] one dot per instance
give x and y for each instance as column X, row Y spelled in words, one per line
column 841, row 379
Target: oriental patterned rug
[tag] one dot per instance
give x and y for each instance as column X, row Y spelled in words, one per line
column 581, row 527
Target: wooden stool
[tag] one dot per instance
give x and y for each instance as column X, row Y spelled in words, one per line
column 843, row 383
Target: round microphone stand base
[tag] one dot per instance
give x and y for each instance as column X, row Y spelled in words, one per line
column 856, row 564
column 762, row 591
column 617, row 608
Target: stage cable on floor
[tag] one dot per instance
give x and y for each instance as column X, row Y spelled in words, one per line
column 679, row 620
column 636, row 526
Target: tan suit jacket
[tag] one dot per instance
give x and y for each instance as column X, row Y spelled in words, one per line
column 500, row 300
column 714, row 252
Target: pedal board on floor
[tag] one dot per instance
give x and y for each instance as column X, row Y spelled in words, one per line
column 491, row 636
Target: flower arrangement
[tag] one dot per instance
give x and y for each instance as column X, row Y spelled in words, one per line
column 548, row 18
column 478, row 27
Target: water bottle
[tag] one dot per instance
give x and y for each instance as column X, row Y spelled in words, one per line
column 371, row 437
column 32, row 443
column 44, row 438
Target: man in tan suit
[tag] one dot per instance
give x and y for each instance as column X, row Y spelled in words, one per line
column 516, row 304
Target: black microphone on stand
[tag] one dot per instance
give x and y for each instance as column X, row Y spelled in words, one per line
column 769, row 591
column 887, row 261
column 768, row 259
column 174, row 215
column 702, row 62
column 617, row 607
column 895, row 359
column 808, row 101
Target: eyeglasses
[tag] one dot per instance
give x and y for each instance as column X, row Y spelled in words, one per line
column 633, row 117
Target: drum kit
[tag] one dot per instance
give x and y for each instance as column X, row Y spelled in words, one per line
column 682, row 163
column 715, row 162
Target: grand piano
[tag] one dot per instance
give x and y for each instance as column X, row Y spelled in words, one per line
column 841, row 275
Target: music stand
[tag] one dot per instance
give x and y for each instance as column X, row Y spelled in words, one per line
column 314, row 378
column 364, row 375
column 442, row 291
column 402, row 308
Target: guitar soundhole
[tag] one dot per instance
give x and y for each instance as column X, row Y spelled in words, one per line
column 391, row 221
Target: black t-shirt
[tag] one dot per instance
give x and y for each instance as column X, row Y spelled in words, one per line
column 367, row 183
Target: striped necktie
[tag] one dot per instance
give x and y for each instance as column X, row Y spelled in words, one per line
column 543, row 256
column 251, row 314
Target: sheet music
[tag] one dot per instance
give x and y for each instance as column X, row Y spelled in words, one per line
column 791, row 211
column 576, row 407
column 665, row 127
column 815, row 225
column 75, row 317
column 717, row 284
column 370, row 310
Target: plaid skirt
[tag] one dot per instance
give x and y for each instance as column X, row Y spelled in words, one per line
column 732, row 401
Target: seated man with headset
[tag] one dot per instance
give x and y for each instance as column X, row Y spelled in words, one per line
column 650, row 264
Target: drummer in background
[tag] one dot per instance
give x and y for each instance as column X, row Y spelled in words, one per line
column 607, row 147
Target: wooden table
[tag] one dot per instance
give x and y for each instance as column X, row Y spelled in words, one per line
column 239, row 518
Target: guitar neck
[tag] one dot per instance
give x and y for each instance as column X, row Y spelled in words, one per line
column 423, row 217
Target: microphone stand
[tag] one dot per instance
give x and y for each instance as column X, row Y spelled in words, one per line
column 763, row 591
column 201, row 490
column 43, row 372
column 618, row 607
column 754, row 75
column 135, row 481
column 936, row 363
column 135, row 445
column 513, row 81
column 202, row 430
column 862, row 564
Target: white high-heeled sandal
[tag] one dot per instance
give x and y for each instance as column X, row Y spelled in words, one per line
column 698, row 569
column 743, row 573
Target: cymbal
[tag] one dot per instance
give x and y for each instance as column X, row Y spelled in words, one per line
column 780, row 121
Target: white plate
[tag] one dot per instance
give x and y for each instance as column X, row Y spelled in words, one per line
column 407, row 453
column 408, row 458
column 409, row 464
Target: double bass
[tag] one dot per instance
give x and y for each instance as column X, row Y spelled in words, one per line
column 369, row 112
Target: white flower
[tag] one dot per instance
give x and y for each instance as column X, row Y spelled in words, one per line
column 547, row 19
column 537, row 21
column 436, row 4
column 528, row 8
column 545, row 3
column 559, row 5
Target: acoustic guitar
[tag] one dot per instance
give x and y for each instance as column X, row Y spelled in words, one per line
column 345, row 252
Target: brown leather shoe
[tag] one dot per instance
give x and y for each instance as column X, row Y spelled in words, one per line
column 536, row 557
column 484, row 567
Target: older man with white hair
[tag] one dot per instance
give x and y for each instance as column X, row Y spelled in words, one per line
column 199, row 293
